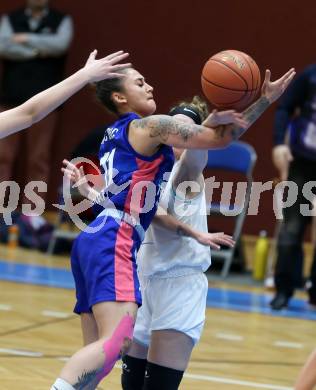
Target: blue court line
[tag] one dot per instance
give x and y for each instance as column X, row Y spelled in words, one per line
column 257, row 303
column 219, row 298
column 35, row 274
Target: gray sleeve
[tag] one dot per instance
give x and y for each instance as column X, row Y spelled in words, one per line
column 9, row 49
column 53, row 44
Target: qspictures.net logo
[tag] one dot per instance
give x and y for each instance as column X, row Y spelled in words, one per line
column 144, row 196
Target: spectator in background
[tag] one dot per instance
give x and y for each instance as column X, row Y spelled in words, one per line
column 33, row 44
column 295, row 161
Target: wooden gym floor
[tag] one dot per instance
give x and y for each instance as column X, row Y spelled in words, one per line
column 244, row 345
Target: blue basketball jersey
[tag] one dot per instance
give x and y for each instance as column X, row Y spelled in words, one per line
column 132, row 181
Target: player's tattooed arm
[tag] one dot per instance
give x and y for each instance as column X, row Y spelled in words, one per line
column 163, row 129
column 251, row 114
column 163, row 126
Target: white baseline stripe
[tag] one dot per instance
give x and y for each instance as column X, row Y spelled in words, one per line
column 231, row 337
column 287, row 344
column 55, row 314
column 229, row 381
column 18, row 352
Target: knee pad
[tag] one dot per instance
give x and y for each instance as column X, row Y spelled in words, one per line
column 159, row 377
column 133, row 372
column 113, row 346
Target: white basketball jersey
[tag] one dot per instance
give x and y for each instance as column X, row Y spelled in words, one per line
column 163, row 250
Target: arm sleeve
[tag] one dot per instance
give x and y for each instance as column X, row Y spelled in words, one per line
column 9, row 49
column 293, row 98
column 53, row 44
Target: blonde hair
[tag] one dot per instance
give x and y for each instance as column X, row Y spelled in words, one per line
column 198, row 104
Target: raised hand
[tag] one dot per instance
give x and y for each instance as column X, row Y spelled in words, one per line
column 272, row 90
column 77, row 177
column 214, row 240
column 217, row 118
column 105, row 68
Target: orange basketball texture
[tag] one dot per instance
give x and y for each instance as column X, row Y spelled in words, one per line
column 230, row 79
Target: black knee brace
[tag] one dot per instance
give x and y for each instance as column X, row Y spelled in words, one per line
column 161, row 378
column 133, row 372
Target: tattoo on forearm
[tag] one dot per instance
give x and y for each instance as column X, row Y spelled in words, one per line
column 251, row 114
column 164, row 126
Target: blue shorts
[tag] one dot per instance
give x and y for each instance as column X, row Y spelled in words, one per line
column 103, row 264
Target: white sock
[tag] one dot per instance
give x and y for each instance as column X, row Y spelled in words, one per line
column 60, row 384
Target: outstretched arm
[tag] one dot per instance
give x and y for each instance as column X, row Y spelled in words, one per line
column 148, row 133
column 40, row 105
column 270, row 92
column 214, row 240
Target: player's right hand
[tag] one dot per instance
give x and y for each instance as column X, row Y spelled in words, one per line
column 272, row 90
column 76, row 176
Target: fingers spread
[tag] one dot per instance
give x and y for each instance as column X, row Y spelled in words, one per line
column 113, row 55
column 91, row 57
column 117, row 58
column 115, row 75
column 117, row 67
column 267, row 76
column 93, row 54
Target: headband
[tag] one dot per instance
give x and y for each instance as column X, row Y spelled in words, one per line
column 187, row 111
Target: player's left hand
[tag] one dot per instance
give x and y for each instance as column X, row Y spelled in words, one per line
column 272, row 90
column 215, row 240
column 106, row 67
column 217, row 118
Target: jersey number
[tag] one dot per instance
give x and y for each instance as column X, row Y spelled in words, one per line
column 107, row 164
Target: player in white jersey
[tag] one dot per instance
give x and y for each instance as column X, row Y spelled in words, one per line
column 171, row 265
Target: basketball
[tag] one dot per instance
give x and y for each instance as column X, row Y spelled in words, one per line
column 230, row 80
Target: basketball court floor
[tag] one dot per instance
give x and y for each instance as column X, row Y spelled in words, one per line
column 244, row 344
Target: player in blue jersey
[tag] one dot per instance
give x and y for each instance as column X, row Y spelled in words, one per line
column 135, row 154
column 40, row 105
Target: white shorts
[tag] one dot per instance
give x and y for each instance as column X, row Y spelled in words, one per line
column 176, row 303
